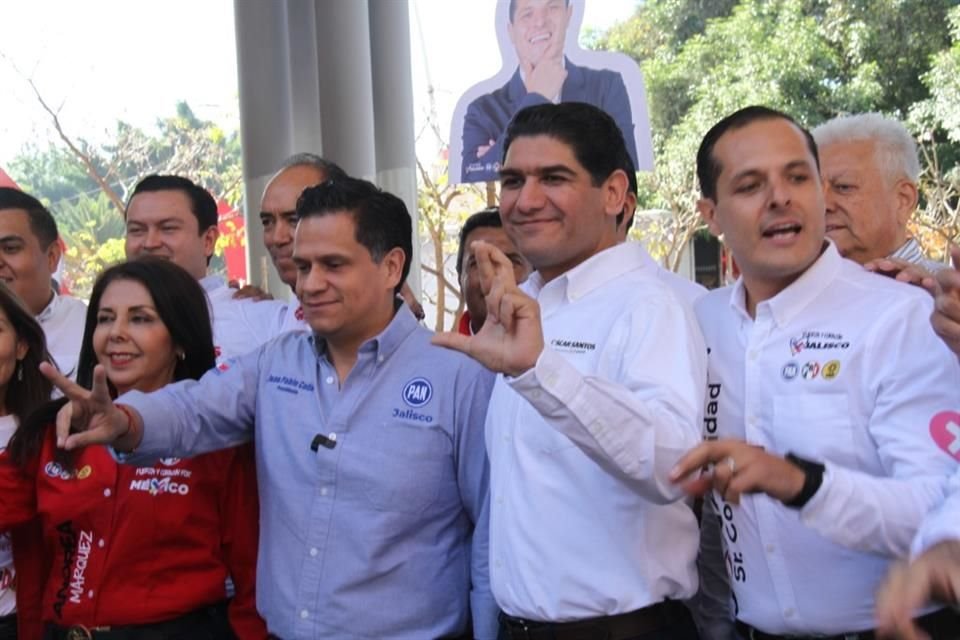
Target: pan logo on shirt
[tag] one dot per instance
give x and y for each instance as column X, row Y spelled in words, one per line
column 790, row 371
column 85, row 472
column 417, row 392
column 945, row 431
column 817, row 340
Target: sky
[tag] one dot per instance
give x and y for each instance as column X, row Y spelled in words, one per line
column 100, row 61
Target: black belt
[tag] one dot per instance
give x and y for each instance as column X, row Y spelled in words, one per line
column 625, row 625
column 207, row 619
column 943, row 624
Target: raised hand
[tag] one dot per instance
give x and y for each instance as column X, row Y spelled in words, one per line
column 90, row 417
column 946, row 314
column 738, row 468
column 904, row 271
column 546, row 77
column 933, row 576
column 511, row 338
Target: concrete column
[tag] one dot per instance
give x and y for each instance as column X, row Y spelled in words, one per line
column 330, row 77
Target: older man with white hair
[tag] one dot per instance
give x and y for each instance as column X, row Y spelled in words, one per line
column 870, row 167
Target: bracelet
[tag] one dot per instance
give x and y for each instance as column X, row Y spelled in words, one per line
column 131, row 422
column 812, row 479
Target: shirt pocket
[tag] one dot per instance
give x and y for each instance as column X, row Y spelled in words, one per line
column 818, row 427
column 407, row 467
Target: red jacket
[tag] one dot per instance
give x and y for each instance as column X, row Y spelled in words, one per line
column 127, row 545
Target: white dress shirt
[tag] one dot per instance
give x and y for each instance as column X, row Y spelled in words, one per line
column 840, row 367
column 239, row 326
column 943, row 523
column 63, row 321
column 685, row 289
column 584, row 520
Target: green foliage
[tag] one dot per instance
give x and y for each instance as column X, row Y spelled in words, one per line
column 89, row 218
column 814, row 59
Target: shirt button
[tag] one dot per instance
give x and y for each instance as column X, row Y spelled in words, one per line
column 752, row 421
column 313, row 552
column 90, row 593
column 753, row 355
column 329, row 379
column 107, row 492
column 788, row 613
column 535, row 394
column 769, row 548
column 304, row 614
column 323, row 491
column 101, row 543
column 379, row 358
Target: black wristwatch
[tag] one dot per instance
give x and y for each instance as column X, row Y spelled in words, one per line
column 813, row 478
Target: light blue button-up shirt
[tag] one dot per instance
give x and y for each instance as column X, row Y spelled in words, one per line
column 382, row 531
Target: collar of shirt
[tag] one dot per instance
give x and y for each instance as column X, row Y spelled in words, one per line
column 386, row 342
column 212, row 283
column 588, row 276
column 787, row 304
column 50, row 309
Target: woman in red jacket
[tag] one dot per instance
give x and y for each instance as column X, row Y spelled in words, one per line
column 138, row 552
column 23, row 389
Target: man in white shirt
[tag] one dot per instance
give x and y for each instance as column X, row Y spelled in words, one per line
column 828, row 395
column 597, row 400
column 870, row 169
column 29, row 254
column 173, row 218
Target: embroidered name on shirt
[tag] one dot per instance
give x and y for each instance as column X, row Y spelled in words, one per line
column 68, row 541
column 84, row 545
column 155, row 487
column 289, row 385
column 572, row 346
column 410, row 414
column 810, row 340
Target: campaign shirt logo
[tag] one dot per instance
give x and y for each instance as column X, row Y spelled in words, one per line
column 54, row 470
column 945, row 431
column 810, row 370
column 831, row 370
column 169, row 462
column 417, row 392
column 85, row 472
column 820, row 340
column 790, row 371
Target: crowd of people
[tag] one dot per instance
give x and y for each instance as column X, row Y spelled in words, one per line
column 601, row 450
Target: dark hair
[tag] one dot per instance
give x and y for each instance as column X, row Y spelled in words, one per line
column 708, row 168
column 330, row 170
column 42, row 224
column 381, row 220
column 182, row 306
column 593, row 136
column 202, row 204
column 27, row 389
column 513, row 8
column 489, row 217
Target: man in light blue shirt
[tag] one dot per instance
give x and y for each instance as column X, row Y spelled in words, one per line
column 369, row 441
